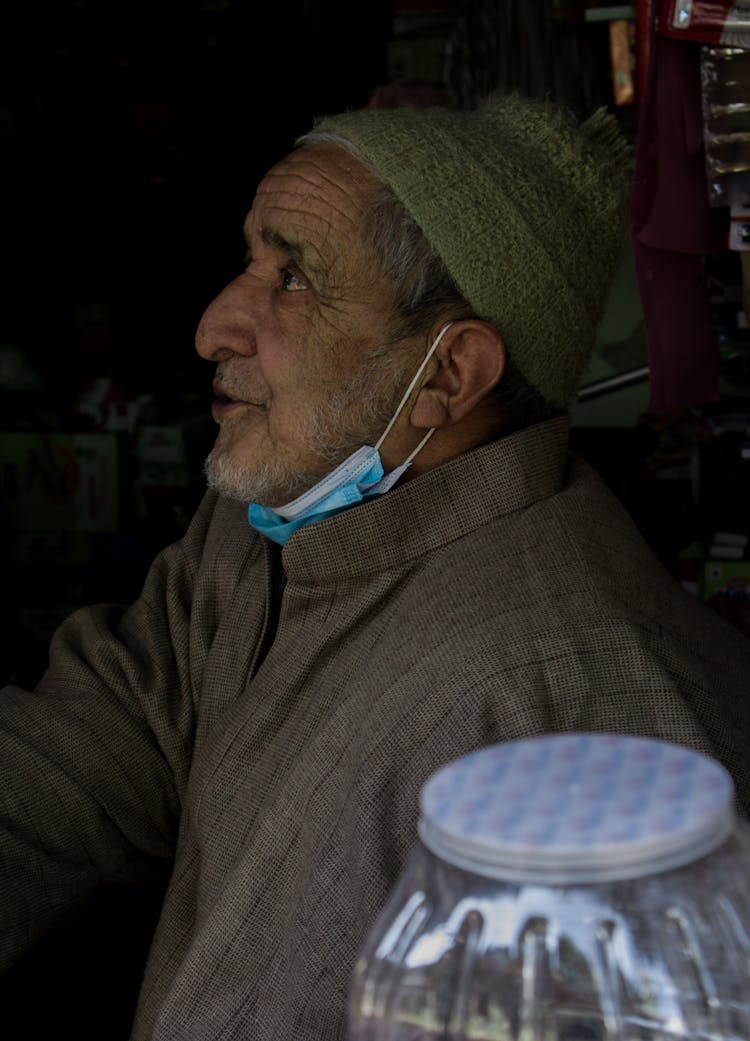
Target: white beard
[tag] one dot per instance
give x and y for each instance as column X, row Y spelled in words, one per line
column 355, row 416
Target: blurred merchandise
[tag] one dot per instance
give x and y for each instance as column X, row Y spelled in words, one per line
column 689, row 571
column 17, row 371
column 726, row 588
column 408, row 93
column 708, row 21
column 622, row 56
column 728, row 545
column 725, row 93
column 170, row 454
column 723, row 478
column 566, row 887
column 673, row 226
column 96, row 477
column 106, row 405
column 549, row 49
column 53, row 482
column 416, row 55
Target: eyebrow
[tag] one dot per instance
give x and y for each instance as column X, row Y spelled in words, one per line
column 294, row 250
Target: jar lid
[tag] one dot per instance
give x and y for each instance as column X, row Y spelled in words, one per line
column 577, row 808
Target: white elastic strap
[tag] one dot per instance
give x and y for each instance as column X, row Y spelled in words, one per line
column 419, row 447
column 409, row 389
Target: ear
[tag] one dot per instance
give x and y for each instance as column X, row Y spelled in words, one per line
column 471, row 360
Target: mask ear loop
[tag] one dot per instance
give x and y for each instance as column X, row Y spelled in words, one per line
column 406, row 396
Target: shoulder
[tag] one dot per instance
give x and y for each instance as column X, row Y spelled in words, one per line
column 206, row 564
column 218, row 527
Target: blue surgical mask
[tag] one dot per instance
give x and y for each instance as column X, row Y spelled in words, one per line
column 360, row 477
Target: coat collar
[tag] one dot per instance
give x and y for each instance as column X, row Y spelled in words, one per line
column 433, row 509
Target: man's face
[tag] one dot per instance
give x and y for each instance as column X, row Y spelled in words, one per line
column 296, row 387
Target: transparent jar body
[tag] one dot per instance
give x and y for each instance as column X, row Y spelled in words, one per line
column 456, row 955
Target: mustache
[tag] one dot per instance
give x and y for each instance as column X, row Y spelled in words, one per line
column 229, row 386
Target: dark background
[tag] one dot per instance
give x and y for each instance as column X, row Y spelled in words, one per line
column 134, row 138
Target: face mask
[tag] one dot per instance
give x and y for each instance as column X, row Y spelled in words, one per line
column 360, row 477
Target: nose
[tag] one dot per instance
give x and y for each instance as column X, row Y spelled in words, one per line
column 228, row 324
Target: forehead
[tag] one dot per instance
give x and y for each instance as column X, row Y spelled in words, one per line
column 317, row 198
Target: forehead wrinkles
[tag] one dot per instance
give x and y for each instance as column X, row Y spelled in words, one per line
column 319, row 202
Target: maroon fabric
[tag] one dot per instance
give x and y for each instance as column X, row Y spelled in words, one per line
column 673, row 229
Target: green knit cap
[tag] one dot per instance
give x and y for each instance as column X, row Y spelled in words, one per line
column 524, row 206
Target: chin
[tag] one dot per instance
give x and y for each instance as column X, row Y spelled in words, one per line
column 270, row 483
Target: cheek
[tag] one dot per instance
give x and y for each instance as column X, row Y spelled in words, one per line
column 340, row 341
column 307, row 357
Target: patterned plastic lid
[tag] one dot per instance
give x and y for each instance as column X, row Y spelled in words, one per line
column 577, row 807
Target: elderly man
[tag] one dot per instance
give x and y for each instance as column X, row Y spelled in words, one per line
column 396, row 562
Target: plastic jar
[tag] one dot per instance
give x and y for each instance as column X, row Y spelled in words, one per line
column 576, row 887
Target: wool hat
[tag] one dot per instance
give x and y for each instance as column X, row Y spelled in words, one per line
column 526, row 209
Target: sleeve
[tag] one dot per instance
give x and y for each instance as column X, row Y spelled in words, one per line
column 93, row 763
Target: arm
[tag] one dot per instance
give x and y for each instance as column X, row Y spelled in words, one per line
column 93, row 763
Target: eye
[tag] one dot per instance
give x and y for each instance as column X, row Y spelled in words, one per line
column 291, row 281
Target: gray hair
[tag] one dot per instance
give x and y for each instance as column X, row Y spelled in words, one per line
column 425, row 292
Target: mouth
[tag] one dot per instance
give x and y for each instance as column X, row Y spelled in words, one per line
column 225, row 404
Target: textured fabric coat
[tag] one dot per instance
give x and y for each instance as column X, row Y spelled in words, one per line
column 264, row 719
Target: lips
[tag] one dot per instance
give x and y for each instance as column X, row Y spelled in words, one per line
column 225, row 403
column 227, row 399
column 222, row 395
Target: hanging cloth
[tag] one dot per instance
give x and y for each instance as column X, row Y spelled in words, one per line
column 673, row 228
